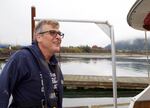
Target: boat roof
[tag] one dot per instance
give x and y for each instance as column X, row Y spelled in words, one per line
column 139, row 15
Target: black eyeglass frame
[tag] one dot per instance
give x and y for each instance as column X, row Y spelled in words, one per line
column 53, row 33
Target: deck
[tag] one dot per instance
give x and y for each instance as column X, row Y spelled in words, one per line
column 86, row 81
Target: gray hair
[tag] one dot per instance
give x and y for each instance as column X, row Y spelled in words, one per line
column 39, row 26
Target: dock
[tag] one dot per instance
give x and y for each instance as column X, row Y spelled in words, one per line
column 3, row 58
column 89, row 81
column 128, row 84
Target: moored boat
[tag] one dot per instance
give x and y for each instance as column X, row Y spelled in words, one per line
column 139, row 18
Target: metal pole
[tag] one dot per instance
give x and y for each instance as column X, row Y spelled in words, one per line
column 33, row 14
column 75, row 21
column 113, row 66
column 146, row 52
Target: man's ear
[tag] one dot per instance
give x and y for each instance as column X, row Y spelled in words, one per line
column 38, row 38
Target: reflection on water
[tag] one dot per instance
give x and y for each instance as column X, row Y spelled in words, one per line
column 101, row 67
column 81, row 66
column 73, row 102
column 136, row 66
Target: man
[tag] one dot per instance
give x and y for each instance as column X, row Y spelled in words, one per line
column 32, row 75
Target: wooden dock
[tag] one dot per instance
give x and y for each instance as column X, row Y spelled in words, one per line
column 85, row 81
column 3, row 58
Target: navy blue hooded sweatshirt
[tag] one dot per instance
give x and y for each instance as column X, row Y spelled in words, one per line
column 21, row 78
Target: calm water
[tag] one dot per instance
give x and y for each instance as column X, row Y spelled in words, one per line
column 73, row 102
column 102, row 67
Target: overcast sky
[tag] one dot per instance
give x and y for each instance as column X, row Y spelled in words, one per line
column 15, row 23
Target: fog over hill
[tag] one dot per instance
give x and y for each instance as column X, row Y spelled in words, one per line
column 132, row 45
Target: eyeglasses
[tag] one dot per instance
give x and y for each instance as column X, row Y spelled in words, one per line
column 54, row 33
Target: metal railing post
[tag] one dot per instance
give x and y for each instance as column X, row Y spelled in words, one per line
column 113, row 52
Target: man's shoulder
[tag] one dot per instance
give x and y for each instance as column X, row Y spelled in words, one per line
column 22, row 53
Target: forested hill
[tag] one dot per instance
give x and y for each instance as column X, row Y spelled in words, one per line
column 131, row 45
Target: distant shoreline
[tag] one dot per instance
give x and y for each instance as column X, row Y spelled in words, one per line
column 101, row 54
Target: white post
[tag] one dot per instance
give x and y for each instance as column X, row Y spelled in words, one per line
column 146, row 53
column 113, row 66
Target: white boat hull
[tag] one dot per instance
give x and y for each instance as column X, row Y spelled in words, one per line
column 142, row 100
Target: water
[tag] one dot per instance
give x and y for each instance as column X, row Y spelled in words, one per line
column 103, row 67
column 94, row 101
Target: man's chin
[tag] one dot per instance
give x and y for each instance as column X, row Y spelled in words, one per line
column 57, row 49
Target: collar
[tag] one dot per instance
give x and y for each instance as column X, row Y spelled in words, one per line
column 53, row 60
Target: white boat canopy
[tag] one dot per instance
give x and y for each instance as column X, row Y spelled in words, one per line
column 139, row 15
